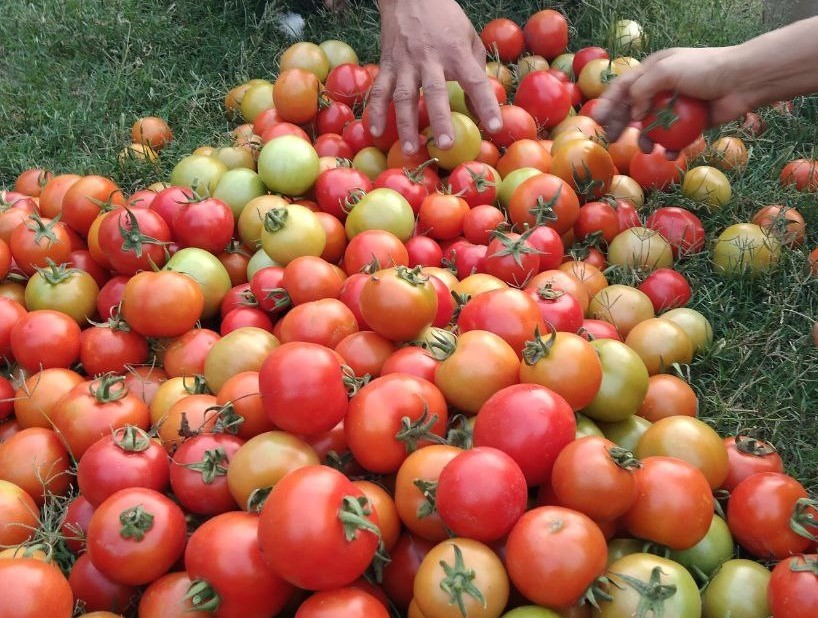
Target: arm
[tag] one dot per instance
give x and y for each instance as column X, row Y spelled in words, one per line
column 424, row 43
column 774, row 66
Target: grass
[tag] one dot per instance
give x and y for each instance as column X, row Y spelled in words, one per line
column 75, row 74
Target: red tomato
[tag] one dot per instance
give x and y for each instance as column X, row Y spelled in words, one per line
column 333, row 118
column 511, row 258
column 554, row 554
column 441, row 216
column 667, row 289
column 198, row 474
column 34, row 589
column 531, row 424
column 557, row 308
column 546, row 33
column 585, row 55
column 655, row 171
column 503, row 38
column 509, row 313
column 748, row 456
column 398, row 303
column 517, row 124
column 95, row 590
column 544, row 199
column 793, row 587
column 770, row 516
column 803, row 173
column 162, row 304
column 136, row 536
column 335, row 189
column 135, row 240
column 373, row 250
column 167, row 597
column 43, row 339
column 480, row 222
column 412, row 360
column 544, row 97
column 348, row 83
column 680, row 227
column 111, row 347
column 75, row 524
column 399, row 574
column 675, row 120
column 597, row 220
column 319, row 548
column 204, row 223
column 348, row 602
column 423, row 251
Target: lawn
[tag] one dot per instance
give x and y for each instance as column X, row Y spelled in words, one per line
column 75, row 74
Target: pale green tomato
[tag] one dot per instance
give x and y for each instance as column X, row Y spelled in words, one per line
column 457, row 98
column 290, row 232
column 381, row 209
column 625, row 433
column 237, row 187
column 371, row 161
column 624, row 383
column 587, row 427
column 199, row 172
column 738, row 590
column 466, row 145
column 745, row 248
column 707, row 185
column 530, row 611
column 256, row 99
column 338, row 52
column 259, row 260
column 696, row 326
column 627, row 36
column 288, row 165
column 68, row 290
column 708, row 554
column 206, row 269
column 640, row 248
column 564, row 63
column 510, row 183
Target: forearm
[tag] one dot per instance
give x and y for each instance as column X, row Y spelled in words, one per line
column 780, row 64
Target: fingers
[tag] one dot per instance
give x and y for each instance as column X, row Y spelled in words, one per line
column 613, row 111
column 437, row 101
column 379, row 97
column 406, row 109
column 645, row 144
column 481, row 94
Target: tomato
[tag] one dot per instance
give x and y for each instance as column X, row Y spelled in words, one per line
column 674, row 506
column 288, row 165
column 343, row 549
column 466, row 144
column 167, row 597
column 348, row 83
column 786, row 224
column 584, row 56
column 518, row 124
column 546, row 33
column 135, row 240
column 86, row 198
column 596, row 220
column 557, row 308
column 136, row 535
column 640, row 248
column 770, row 516
column 544, row 199
column 34, row 241
column 325, row 322
column 668, row 395
column 511, row 258
column 18, row 514
column 639, row 581
column 295, row 95
column 412, row 360
column 34, row 589
column 622, row 306
column 461, row 577
column 68, row 290
column 490, row 513
column 745, row 248
column 509, row 313
column 198, row 172
column 224, row 555
column 503, row 38
column 793, row 587
column 95, row 591
column 707, row 185
column 45, row 338
column 803, row 173
column 739, row 589
column 205, row 223
column 660, row 344
column 349, row 602
column 290, row 232
column 162, row 304
column 441, row 216
column 544, row 97
column 667, row 289
column 398, row 303
column 655, row 171
column 675, row 120
column 704, row 558
column 549, row 542
column 333, row 118
column 747, row 456
column 381, row 209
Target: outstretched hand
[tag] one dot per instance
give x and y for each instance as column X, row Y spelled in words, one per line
column 423, row 44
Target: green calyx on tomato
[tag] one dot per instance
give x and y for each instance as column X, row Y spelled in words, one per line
column 228, row 420
column 109, row 388
column 653, row 593
column 133, row 440
column 443, row 343
column 56, row 273
column 748, row 445
column 132, row 236
column 808, row 564
column 804, row 517
column 413, row 276
column 538, row 349
column 515, row 247
column 275, row 219
column 543, row 211
column 136, row 521
column 212, row 464
column 412, row 432
column 353, row 515
column 458, row 582
column 42, row 230
column 624, row 458
column 202, row 596
column 429, row 491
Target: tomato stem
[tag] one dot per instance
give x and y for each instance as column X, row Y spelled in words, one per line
column 353, row 515
column 538, row 349
column 652, row 593
column 459, row 582
column 108, row 388
column 133, row 440
column 202, row 596
column 804, row 516
column 412, row 432
column 429, row 491
column 136, row 521
column 211, row 465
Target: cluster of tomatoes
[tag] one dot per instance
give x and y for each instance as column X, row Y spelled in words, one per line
column 314, row 376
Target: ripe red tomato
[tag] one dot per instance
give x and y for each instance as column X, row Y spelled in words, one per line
column 509, row 313
column 531, row 424
column 747, row 456
column 43, row 339
column 503, row 38
column 803, row 173
column 675, row 120
column 511, row 258
column 204, row 223
column 135, row 240
column 585, row 55
column 412, row 360
column 546, row 33
column 480, row 221
column 667, row 289
column 770, row 516
column 348, row 83
column 544, row 97
column 793, row 587
column 162, row 304
column 441, row 216
column 680, row 227
column 95, row 590
column 655, row 171
column 34, row 589
column 294, row 540
column 481, row 494
column 554, row 554
column 111, row 347
column 333, row 118
column 349, row 602
column 136, row 536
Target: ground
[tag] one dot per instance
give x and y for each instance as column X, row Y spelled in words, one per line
column 75, row 74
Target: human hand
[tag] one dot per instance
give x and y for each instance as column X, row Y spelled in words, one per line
column 424, row 43
column 703, row 73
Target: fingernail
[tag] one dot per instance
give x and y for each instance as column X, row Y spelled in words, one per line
column 495, row 124
column 408, row 147
column 444, row 141
column 374, row 131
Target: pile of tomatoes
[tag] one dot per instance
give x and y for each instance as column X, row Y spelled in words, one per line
column 313, row 376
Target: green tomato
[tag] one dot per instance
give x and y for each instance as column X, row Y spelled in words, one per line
column 237, row 187
column 625, row 433
column 256, row 99
column 745, row 248
column 290, row 232
column 338, row 52
column 587, row 427
column 564, row 63
column 696, row 326
column 530, row 611
column 199, row 172
column 288, row 165
column 647, row 585
column 510, row 183
column 640, row 248
column 466, row 145
column 707, row 185
column 627, row 37
column 624, row 383
column 457, row 98
column 68, row 290
column 708, row 554
column 738, row 590
column 206, row 269
column 619, row 548
column 371, row 161
column 381, row 209
column 259, row 260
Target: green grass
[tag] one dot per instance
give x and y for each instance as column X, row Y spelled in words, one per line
column 75, row 74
